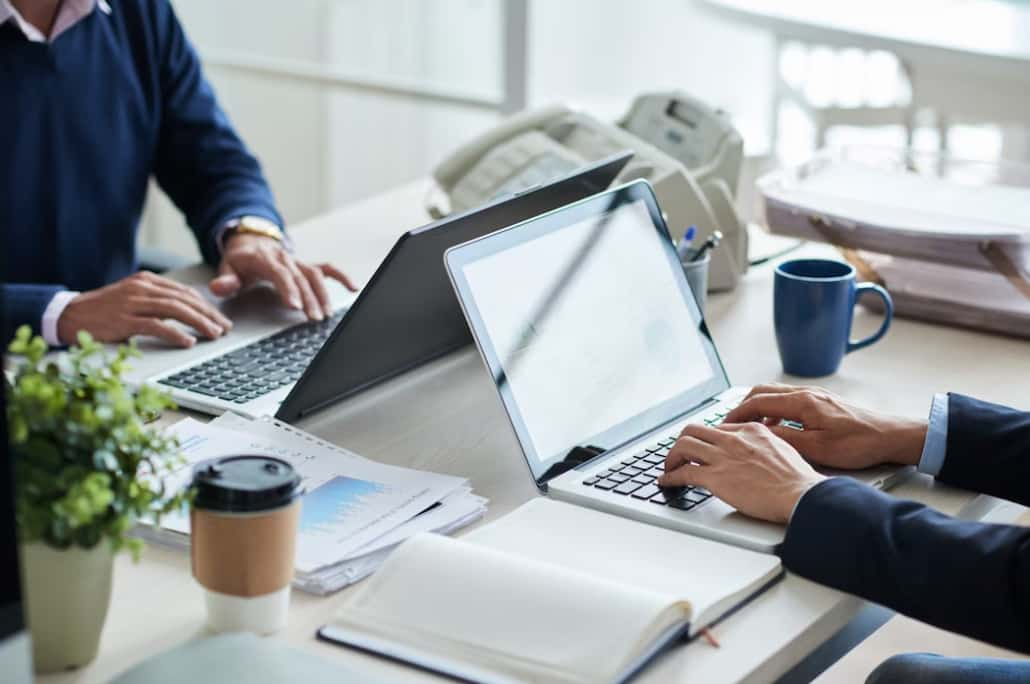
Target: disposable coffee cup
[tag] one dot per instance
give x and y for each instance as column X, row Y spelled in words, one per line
column 243, row 534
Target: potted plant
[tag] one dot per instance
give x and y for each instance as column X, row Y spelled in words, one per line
column 86, row 469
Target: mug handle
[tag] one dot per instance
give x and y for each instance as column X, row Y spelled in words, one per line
column 888, row 304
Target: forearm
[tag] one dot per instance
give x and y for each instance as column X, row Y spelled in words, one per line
column 201, row 162
column 967, row 577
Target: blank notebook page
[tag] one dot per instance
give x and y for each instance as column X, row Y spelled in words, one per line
column 630, row 553
column 476, row 605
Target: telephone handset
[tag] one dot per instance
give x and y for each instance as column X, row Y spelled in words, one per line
column 689, row 153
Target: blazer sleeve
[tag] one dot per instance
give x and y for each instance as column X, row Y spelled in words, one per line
column 200, row 162
column 988, row 449
column 966, row 577
column 24, row 304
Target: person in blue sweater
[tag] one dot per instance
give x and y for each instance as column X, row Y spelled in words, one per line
column 98, row 97
column 967, row 577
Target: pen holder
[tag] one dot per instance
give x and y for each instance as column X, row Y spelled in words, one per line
column 697, row 277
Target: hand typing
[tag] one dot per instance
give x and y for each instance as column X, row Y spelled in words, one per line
column 250, row 258
column 141, row 304
column 836, row 434
column 746, row 465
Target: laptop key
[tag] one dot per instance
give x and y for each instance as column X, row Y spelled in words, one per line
column 694, row 497
column 643, row 479
column 631, row 471
column 682, row 504
column 618, row 477
column 645, row 492
column 590, row 482
column 627, row 487
column 654, row 459
column 606, row 485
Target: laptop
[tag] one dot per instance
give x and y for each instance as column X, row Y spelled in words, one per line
column 405, row 316
column 600, row 356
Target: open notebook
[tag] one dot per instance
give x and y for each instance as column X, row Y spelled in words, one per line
column 550, row 593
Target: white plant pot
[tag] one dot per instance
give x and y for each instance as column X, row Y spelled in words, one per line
column 67, row 593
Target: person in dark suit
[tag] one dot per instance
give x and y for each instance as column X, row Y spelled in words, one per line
column 966, row 577
column 98, row 98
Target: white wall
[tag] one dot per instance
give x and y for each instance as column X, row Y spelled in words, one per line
column 323, row 146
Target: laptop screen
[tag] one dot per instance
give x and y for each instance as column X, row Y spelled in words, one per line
column 588, row 325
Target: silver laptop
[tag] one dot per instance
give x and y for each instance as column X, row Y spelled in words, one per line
column 601, row 356
column 275, row 363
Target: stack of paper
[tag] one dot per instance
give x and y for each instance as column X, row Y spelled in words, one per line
column 950, row 245
column 355, row 510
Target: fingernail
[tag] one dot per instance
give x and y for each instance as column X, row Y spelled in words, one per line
column 295, row 302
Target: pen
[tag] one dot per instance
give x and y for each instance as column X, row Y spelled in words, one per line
column 713, row 241
column 683, row 248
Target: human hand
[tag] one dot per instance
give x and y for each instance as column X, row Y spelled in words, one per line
column 836, row 434
column 249, row 258
column 140, row 305
column 745, row 465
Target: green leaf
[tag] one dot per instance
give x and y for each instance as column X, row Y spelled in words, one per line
column 81, row 446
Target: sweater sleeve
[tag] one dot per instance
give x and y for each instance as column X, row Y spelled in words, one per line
column 201, row 163
column 966, row 577
column 24, row 304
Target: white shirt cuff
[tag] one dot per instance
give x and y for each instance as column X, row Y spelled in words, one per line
column 52, row 314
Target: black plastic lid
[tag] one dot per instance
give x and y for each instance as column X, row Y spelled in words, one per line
column 245, row 484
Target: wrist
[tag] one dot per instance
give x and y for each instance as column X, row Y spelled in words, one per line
column 904, row 441
column 255, row 226
column 68, row 323
column 796, row 493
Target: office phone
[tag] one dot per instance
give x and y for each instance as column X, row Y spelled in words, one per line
column 690, row 153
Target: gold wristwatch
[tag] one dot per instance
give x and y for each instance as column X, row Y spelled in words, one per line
column 255, row 225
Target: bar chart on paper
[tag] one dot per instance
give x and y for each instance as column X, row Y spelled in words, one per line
column 339, row 498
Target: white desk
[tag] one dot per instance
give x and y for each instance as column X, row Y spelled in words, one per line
column 446, row 417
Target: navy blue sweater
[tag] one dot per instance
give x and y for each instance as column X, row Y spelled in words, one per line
column 84, row 123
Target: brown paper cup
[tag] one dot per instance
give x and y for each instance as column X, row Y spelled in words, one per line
column 244, row 561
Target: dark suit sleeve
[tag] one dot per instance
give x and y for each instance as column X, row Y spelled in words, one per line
column 970, row 578
column 988, row 449
column 24, row 304
column 201, row 163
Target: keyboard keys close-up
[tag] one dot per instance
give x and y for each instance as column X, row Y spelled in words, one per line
column 635, row 475
column 249, row 372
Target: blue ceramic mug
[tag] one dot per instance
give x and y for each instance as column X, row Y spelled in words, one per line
column 813, row 304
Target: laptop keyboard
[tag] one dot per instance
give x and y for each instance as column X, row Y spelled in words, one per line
column 247, row 373
column 635, row 476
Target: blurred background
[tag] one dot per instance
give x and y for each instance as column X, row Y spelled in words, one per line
column 341, row 99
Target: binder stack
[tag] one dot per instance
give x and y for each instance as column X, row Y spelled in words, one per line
column 949, row 239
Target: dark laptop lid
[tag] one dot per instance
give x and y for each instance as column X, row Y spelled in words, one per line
column 407, row 314
column 588, row 327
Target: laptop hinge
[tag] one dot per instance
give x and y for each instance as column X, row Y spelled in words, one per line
column 580, row 457
column 576, row 457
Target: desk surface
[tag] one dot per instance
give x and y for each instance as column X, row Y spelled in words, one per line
column 446, row 417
